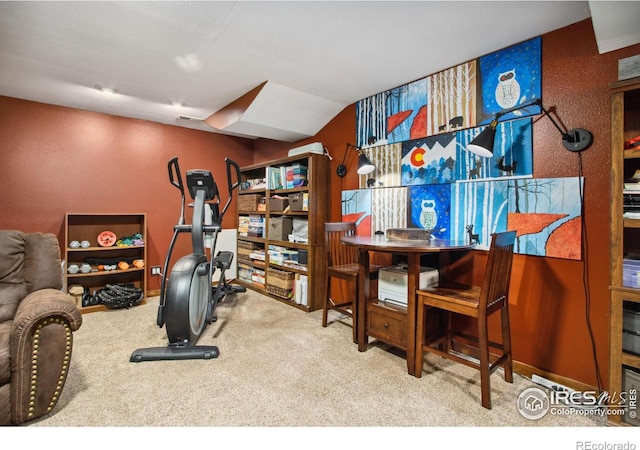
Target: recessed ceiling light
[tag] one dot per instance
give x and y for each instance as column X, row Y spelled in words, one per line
column 106, row 90
column 177, row 104
column 189, row 118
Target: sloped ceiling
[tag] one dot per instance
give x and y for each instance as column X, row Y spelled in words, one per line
column 301, row 62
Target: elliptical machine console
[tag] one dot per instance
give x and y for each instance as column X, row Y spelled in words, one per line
column 187, row 299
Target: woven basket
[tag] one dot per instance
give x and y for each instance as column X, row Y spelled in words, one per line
column 244, row 251
column 280, row 278
column 280, row 292
column 248, row 202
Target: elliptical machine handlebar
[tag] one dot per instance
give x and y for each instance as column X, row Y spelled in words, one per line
column 232, row 185
column 176, row 180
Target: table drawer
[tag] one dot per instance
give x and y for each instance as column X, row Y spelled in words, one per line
column 387, row 325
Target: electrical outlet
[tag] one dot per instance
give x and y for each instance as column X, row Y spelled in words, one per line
column 156, row 270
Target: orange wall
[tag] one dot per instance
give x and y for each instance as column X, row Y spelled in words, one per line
column 56, row 160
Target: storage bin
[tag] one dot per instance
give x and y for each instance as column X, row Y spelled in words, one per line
column 631, row 273
column 248, row 202
column 299, row 201
column 631, row 317
column 279, row 228
column 280, row 283
column 280, row 292
column 631, row 342
column 246, row 248
column 278, row 204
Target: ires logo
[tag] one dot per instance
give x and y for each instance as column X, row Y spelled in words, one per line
column 534, row 403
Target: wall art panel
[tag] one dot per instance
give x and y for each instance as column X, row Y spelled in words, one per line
column 512, row 152
column 371, row 120
column 356, row 207
column 387, row 159
column 452, row 99
column 429, row 208
column 407, row 111
column 479, row 208
column 429, row 160
column 508, row 78
column 389, row 209
column 546, row 213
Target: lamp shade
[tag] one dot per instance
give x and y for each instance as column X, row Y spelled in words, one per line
column 482, row 145
column 364, row 165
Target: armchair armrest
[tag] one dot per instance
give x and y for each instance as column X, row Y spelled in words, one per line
column 41, row 343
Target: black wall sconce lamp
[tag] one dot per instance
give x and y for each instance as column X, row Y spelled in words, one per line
column 364, row 164
column 574, row 140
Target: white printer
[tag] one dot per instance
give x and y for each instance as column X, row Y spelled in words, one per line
column 392, row 282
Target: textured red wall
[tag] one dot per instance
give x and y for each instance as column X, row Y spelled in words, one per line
column 56, row 160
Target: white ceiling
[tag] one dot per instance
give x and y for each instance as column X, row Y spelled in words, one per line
column 206, row 54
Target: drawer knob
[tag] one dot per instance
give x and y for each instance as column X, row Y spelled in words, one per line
column 386, row 324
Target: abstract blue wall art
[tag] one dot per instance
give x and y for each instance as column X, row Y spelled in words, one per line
column 512, row 152
column 429, row 208
column 483, row 205
column 407, row 112
column 508, row 78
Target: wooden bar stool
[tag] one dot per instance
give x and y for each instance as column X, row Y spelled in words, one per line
column 342, row 261
column 479, row 303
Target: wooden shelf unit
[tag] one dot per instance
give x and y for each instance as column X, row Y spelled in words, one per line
column 625, row 232
column 317, row 189
column 87, row 227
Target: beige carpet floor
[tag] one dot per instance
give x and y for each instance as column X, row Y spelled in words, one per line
column 278, row 367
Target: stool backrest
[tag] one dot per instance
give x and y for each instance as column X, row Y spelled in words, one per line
column 338, row 253
column 497, row 275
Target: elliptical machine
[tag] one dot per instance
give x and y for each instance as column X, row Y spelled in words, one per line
column 187, row 299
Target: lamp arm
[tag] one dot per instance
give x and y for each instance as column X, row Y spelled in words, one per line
column 537, row 102
column 346, row 151
column 575, row 140
column 516, row 108
column 564, row 134
column 341, row 171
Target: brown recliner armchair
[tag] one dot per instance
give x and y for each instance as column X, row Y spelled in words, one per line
column 36, row 324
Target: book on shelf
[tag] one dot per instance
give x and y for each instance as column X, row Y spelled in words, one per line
column 274, row 178
column 295, row 265
column 300, row 289
column 632, row 187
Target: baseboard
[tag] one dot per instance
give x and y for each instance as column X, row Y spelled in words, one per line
column 527, row 370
